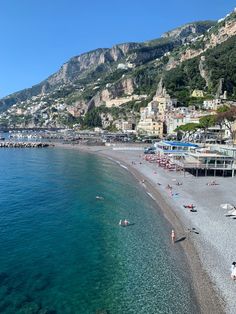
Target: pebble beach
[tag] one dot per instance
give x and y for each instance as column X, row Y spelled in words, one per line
column 206, row 235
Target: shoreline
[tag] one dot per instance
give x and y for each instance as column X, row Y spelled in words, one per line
column 208, row 294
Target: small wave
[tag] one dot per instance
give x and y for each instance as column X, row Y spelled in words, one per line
column 151, row 195
column 117, row 162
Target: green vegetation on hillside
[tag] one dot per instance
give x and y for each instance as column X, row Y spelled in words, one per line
column 181, row 81
column 92, row 119
column 220, row 63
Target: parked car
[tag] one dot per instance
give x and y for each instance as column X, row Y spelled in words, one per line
column 150, row 150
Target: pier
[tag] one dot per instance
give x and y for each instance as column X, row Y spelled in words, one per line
column 25, row 145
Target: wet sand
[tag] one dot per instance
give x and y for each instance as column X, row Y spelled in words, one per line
column 207, row 247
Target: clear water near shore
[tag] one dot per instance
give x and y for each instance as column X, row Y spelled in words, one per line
column 62, row 251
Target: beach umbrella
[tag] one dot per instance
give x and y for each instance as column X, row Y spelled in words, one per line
column 227, row 206
column 231, row 213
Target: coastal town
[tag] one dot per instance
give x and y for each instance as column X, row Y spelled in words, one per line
column 198, row 138
column 185, row 160
column 118, row 172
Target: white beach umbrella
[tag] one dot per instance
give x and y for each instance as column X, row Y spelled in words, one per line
column 232, row 212
column 227, row 206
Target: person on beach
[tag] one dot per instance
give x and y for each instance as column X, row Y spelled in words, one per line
column 233, row 270
column 173, row 236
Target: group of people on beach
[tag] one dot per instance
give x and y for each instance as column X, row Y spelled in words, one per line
column 212, row 183
column 169, row 188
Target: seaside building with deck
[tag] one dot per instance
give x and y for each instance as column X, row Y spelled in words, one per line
column 174, row 148
column 234, row 133
column 207, row 163
column 198, row 161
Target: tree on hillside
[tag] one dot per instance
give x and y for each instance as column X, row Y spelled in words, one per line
column 187, row 129
column 223, row 108
column 226, row 117
column 92, row 119
column 220, row 119
column 207, row 122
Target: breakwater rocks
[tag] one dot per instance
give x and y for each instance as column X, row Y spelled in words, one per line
column 24, row 145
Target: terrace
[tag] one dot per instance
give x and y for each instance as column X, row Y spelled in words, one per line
column 207, row 163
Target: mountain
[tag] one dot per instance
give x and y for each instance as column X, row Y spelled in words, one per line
column 116, row 82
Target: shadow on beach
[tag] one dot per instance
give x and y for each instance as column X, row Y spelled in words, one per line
column 180, row 239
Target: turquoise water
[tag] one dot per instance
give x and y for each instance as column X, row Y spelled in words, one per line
column 62, row 251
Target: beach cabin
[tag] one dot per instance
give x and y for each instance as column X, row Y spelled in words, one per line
column 174, row 148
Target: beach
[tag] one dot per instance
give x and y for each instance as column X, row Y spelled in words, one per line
column 206, row 235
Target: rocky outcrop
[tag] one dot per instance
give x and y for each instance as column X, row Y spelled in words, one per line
column 203, row 71
column 223, row 33
column 216, row 36
column 72, row 70
column 124, row 87
column 189, row 31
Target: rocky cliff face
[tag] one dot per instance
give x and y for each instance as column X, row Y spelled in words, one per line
column 131, row 69
column 104, row 59
column 204, row 71
column 79, row 65
column 216, row 35
column 189, row 31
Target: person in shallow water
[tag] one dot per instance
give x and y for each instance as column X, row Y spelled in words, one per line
column 126, row 222
column 173, row 236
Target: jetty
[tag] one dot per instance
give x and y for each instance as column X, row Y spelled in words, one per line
column 25, row 145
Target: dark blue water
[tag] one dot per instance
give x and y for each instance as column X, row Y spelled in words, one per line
column 62, row 251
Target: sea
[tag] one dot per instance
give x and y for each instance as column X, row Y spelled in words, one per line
column 62, row 250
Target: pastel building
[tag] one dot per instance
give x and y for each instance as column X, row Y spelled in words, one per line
column 150, row 126
column 197, row 93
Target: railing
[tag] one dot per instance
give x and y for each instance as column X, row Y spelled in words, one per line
column 203, row 166
column 128, row 148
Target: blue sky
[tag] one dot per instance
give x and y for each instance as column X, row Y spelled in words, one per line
column 38, row 36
